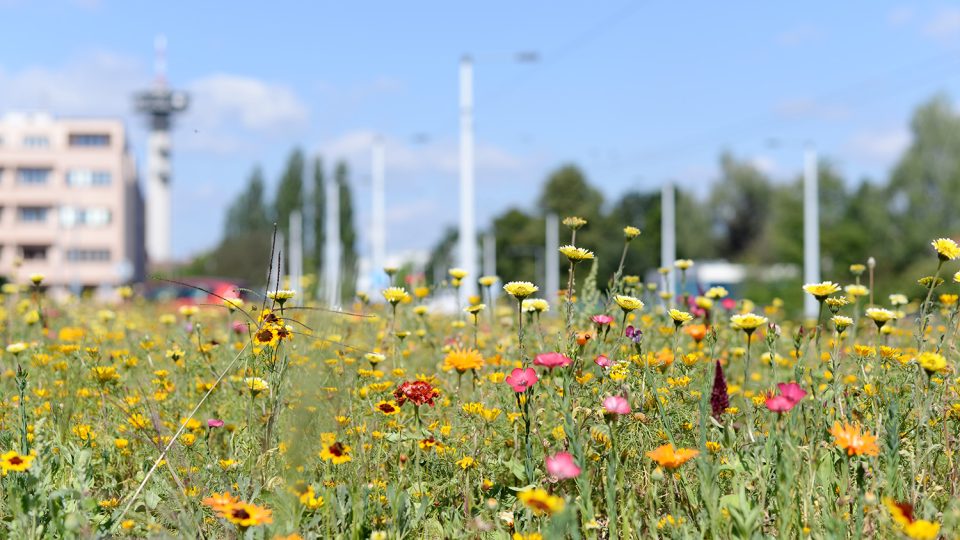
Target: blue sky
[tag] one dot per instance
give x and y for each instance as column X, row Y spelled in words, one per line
column 634, row 92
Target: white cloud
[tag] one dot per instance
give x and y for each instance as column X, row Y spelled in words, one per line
column 880, row 146
column 811, row 109
column 945, row 24
column 256, row 105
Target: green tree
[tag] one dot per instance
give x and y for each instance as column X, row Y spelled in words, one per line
column 249, row 212
column 348, row 234
column 289, row 191
column 741, row 203
column 320, row 212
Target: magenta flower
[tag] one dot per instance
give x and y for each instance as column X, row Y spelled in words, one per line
column 790, row 394
column 562, row 466
column 214, row 423
column 601, row 320
column 602, row 361
column 792, row 391
column 551, row 360
column 521, row 379
column 728, row 303
column 616, row 405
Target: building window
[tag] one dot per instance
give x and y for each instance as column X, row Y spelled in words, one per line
column 32, row 214
column 88, row 255
column 92, row 217
column 33, row 176
column 86, row 177
column 89, row 139
column 36, row 141
column 34, row 253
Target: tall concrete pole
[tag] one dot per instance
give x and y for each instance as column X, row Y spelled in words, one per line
column 296, row 253
column 811, row 229
column 468, row 226
column 668, row 232
column 378, row 232
column 551, row 278
column 332, row 245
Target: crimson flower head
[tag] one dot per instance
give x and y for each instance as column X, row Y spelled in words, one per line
column 728, row 303
column 562, row 466
column 416, row 392
column 792, row 391
column 521, row 379
column 601, row 320
column 719, row 399
column 551, row 360
column 616, row 405
column 602, row 361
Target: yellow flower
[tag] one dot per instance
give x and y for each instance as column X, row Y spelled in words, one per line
column 487, row 281
column 336, row 452
column 12, row 461
column 841, row 323
column 395, row 295
column 947, row 249
column 880, row 315
column 857, row 269
column 540, row 502
column 917, row 529
column 36, row 279
column 630, row 233
column 310, row 500
column 463, row 360
column 856, row 290
column 576, row 254
column 538, row 305
column 475, row 308
column 932, row 362
column 467, row 462
column 683, row 264
column 716, row 293
column 281, row 295
column 16, row 348
column 574, row 222
column 748, row 322
column 821, row 290
column 520, row 289
column 457, row 273
column 628, row 303
column 256, row 385
column 245, row 515
column 680, row 317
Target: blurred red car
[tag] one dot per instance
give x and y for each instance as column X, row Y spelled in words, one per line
column 193, row 291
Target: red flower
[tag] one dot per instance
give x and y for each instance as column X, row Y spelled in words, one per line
column 521, row 379
column 417, row 392
column 551, row 360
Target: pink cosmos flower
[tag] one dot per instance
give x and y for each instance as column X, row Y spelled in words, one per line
column 551, row 360
column 562, row 466
column 779, row 403
column 601, row 320
column 728, row 303
column 616, row 405
column 602, row 361
column 214, row 423
column 521, row 379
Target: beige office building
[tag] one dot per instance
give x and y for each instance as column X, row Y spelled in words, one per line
column 70, row 205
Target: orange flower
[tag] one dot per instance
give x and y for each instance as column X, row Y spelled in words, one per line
column 583, row 338
column 697, row 332
column 667, row 456
column 219, row 501
column 850, row 438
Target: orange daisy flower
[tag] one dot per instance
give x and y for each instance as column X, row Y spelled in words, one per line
column 856, row 443
column 667, row 456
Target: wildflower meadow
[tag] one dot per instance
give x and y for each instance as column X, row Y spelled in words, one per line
column 616, row 410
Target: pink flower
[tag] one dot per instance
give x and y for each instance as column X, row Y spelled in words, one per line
column 616, row 405
column 790, row 394
column 728, row 303
column 779, row 403
column 602, row 361
column 214, row 422
column 601, row 320
column 561, row 465
column 239, row 327
column 551, row 360
column 521, row 379
column 792, row 391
